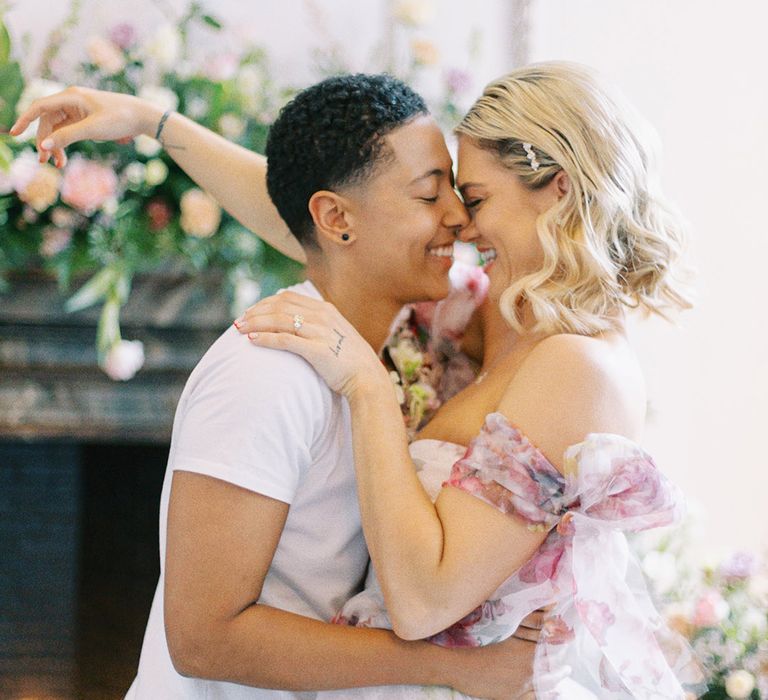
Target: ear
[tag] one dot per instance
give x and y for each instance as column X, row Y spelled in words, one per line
column 332, row 218
column 562, row 184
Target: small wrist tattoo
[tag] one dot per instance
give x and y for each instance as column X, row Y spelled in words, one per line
column 161, row 125
column 339, row 341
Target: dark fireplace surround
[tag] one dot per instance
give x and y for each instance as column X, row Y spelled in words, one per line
column 82, row 459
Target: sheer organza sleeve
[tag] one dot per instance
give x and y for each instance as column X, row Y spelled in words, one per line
column 602, row 622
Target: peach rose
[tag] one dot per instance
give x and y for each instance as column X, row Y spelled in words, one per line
column 88, row 185
column 424, row 52
column 42, row 190
column 200, row 214
column 105, row 54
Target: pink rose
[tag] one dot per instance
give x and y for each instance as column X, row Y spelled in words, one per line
column 105, row 54
column 88, row 185
column 123, row 35
column 710, row 610
column 54, row 241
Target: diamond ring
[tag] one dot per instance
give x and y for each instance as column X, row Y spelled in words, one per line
column 298, row 322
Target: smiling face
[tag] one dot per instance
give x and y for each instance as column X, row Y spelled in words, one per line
column 405, row 216
column 503, row 215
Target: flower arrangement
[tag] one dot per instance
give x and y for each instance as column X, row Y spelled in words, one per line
column 119, row 209
column 721, row 609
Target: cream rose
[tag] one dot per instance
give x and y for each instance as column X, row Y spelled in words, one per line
column 739, row 684
column 200, row 214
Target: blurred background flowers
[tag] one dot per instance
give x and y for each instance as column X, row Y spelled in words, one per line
column 117, row 210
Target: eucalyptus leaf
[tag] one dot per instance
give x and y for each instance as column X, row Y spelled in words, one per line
column 211, row 21
column 6, row 157
column 108, row 333
column 11, row 87
column 5, row 43
column 93, row 290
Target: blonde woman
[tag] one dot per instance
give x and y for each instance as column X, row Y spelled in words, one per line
column 541, row 456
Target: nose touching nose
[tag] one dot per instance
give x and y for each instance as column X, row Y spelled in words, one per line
column 457, row 218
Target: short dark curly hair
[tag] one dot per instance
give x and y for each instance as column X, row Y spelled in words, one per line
column 332, row 134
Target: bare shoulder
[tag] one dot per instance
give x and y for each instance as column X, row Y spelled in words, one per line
column 569, row 386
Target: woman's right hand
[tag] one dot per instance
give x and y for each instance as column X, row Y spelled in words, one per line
column 79, row 113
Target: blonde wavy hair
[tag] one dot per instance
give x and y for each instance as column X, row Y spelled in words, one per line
column 611, row 240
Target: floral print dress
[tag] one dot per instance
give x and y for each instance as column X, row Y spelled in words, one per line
column 601, row 622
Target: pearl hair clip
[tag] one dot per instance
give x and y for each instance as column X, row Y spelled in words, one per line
column 531, row 156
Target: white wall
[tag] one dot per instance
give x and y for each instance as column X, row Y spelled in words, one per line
column 697, row 72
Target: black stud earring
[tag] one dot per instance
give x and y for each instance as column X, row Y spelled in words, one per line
column 344, row 236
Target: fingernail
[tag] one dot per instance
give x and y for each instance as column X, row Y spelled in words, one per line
column 253, row 336
column 239, row 322
column 47, row 144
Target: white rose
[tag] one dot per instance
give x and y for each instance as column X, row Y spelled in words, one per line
column 165, row 47
column 110, row 206
column 146, row 145
column 23, row 170
column 105, row 54
column 757, row 587
column 739, row 684
column 156, row 173
column 124, row 359
column 399, row 393
column 247, row 292
column 248, row 79
column 161, row 97
column 231, row 126
column 196, row 108
column 406, row 357
column 754, row 620
column 135, row 172
column 34, row 90
column 414, row 12
column 661, row 568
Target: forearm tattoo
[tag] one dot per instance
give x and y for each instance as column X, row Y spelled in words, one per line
column 339, row 341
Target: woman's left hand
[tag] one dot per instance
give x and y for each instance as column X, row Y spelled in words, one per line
column 317, row 331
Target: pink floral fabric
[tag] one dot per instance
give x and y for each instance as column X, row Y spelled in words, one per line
column 423, row 351
column 602, row 623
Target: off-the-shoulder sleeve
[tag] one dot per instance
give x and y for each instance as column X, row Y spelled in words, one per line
column 503, row 468
column 601, row 621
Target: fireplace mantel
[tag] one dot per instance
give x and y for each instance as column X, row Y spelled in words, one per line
column 51, row 385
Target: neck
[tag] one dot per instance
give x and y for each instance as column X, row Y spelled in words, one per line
column 371, row 315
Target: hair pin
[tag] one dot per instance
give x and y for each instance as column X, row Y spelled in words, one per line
column 531, row 156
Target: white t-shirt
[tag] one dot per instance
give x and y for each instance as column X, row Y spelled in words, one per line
column 264, row 420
